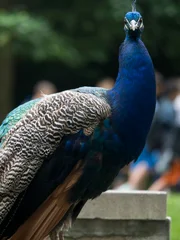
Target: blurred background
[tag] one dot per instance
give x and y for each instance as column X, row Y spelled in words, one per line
column 49, row 46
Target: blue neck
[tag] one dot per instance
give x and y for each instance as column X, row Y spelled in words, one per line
column 133, row 96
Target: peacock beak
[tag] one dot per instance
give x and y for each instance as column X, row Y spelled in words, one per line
column 133, row 25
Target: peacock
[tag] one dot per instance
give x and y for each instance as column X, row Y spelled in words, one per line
column 60, row 150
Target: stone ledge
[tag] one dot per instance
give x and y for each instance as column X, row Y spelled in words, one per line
column 92, row 229
column 131, row 205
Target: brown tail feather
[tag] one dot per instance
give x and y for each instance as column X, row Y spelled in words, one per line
column 49, row 214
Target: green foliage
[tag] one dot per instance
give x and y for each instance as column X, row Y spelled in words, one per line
column 33, row 36
column 90, row 26
column 80, row 32
column 85, row 30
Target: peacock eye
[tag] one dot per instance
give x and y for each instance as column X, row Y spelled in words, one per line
column 125, row 21
column 140, row 20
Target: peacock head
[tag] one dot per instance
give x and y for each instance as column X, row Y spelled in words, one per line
column 133, row 22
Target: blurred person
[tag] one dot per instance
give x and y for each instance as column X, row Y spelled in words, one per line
column 175, row 83
column 170, row 179
column 41, row 87
column 107, row 83
column 141, row 169
column 171, row 157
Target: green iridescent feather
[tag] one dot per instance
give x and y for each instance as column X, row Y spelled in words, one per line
column 14, row 116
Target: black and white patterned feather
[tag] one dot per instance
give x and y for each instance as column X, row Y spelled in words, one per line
column 39, row 133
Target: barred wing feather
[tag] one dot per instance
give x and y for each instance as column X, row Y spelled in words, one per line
column 38, row 134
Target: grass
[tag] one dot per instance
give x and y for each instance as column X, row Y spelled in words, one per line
column 173, row 206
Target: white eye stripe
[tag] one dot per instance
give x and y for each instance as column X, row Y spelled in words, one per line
column 126, row 21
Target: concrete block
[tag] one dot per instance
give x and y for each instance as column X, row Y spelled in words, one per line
column 135, row 215
column 132, row 205
column 98, row 229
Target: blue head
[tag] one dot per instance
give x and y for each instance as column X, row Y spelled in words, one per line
column 133, row 24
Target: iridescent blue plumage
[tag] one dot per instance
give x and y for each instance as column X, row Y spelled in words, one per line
column 133, row 16
column 114, row 142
